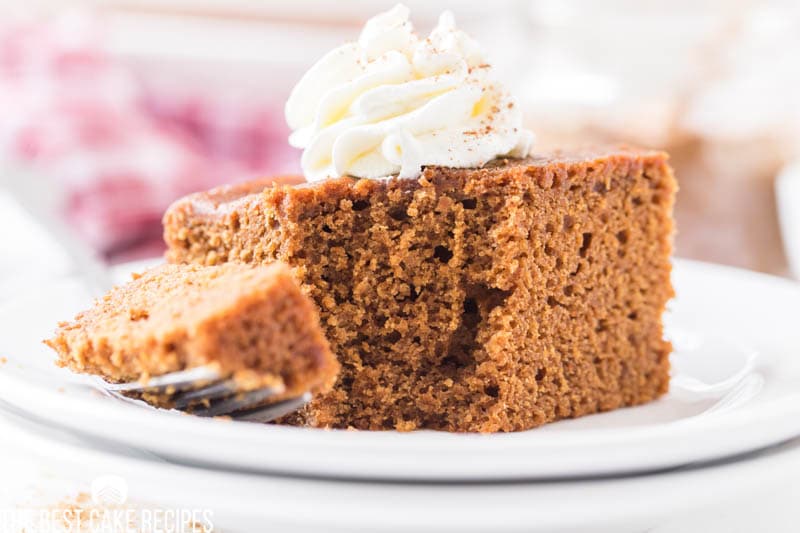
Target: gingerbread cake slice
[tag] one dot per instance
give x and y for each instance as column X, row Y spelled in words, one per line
column 489, row 299
column 250, row 323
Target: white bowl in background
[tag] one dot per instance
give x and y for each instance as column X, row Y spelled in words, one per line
column 787, row 191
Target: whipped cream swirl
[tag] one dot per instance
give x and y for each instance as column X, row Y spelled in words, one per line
column 392, row 103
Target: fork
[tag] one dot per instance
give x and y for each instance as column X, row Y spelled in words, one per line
column 202, row 392
column 199, row 390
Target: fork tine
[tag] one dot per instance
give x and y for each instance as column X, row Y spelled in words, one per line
column 202, row 392
column 270, row 412
column 176, row 380
column 213, row 391
column 238, row 402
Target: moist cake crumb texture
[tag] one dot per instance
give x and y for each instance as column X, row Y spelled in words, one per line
column 492, row 299
column 253, row 323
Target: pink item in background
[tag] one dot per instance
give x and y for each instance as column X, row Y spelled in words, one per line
column 117, row 152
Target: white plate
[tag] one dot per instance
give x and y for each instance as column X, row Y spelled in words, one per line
column 756, row 494
column 736, row 389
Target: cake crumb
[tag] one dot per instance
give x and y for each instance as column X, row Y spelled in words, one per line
column 251, row 324
column 452, row 291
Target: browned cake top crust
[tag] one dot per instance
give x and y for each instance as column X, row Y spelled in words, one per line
column 252, row 323
column 548, row 169
column 490, row 299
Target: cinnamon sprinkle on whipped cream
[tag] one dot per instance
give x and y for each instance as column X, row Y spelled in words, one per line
column 393, row 102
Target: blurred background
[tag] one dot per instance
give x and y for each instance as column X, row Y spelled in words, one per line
column 111, row 110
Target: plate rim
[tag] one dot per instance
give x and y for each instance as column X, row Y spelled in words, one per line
column 707, row 485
